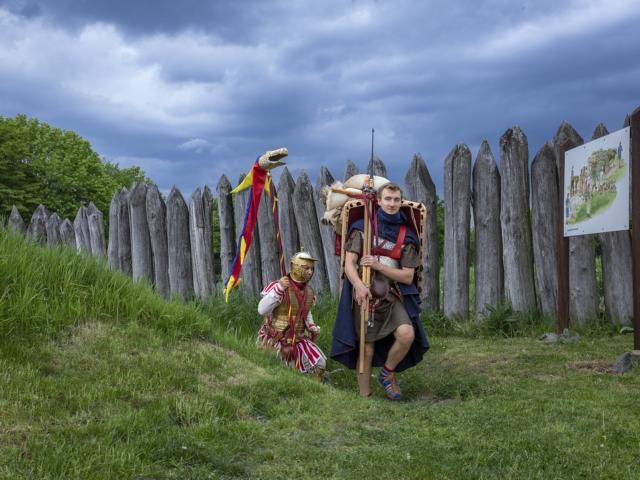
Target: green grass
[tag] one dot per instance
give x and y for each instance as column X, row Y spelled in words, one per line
column 599, row 203
column 102, row 379
column 617, row 174
column 602, row 201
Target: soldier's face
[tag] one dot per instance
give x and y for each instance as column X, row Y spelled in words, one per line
column 302, row 271
column 390, row 201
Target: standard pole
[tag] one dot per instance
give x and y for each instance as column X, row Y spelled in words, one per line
column 366, row 278
column 562, row 298
column 276, row 225
column 634, row 163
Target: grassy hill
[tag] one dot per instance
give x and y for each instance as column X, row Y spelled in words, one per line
column 101, row 379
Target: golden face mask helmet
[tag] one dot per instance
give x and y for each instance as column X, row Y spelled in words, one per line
column 302, row 267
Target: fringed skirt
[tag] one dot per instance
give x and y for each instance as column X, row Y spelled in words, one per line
column 305, row 356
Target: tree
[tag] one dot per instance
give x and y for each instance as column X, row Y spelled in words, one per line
column 40, row 164
column 18, row 184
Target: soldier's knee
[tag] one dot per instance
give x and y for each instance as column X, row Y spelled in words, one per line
column 405, row 334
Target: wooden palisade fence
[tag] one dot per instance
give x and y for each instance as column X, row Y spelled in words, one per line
column 515, row 220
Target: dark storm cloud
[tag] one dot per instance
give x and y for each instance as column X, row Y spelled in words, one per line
column 230, row 20
column 191, row 90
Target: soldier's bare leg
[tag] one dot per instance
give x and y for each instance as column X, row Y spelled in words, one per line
column 404, row 336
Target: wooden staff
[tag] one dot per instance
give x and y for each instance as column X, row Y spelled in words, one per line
column 276, row 225
column 366, row 273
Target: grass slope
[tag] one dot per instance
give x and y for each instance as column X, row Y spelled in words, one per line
column 102, row 379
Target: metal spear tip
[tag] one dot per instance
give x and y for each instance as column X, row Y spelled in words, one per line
column 272, row 159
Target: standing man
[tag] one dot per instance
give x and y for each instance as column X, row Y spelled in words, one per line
column 395, row 339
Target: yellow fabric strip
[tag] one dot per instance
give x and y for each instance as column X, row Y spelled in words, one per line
column 246, row 183
column 243, row 250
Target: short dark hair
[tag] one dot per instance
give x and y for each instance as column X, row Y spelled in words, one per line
column 394, row 187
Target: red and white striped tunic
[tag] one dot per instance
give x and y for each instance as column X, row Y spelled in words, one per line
column 307, row 356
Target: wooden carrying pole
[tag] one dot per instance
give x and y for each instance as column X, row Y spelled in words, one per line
column 366, row 276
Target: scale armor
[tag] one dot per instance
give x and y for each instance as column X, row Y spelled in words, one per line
column 280, row 315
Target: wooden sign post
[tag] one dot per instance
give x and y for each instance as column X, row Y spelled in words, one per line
column 635, row 223
column 562, row 297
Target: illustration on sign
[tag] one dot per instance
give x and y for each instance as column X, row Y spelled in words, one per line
column 596, row 185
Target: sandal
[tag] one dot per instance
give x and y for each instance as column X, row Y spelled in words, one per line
column 390, row 386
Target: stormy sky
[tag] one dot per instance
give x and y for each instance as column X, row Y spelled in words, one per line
column 192, row 90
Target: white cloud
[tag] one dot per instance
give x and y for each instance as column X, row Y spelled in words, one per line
column 107, row 75
column 198, row 145
column 315, row 77
column 579, row 18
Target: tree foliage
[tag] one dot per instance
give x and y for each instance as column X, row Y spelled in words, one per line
column 41, row 164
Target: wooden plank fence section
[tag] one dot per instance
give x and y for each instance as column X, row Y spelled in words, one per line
column 207, row 205
column 124, row 233
column 327, row 233
column 516, row 255
column 141, row 261
column 377, row 167
column 200, row 234
column 266, row 231
column 617, row 276
column 286, row 216
column 96, row 231
column 37, row 229
column 16, row 223
column 457, row 195
column 227, row 227
column 310, row 240
column 251, row 274
column 112, row 245
column 196, row 231
column 583, row 296
column 350, row 170
column 544, row 219
column 617, row 271
column 486, row 220
column 53, row 230
column 157, row 220
column 67, row 233
column 179, row 246
column 81, row 228
column 419, row 187
column 514, row 220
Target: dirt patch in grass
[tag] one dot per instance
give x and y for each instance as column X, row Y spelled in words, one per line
column 429, row 399
column 593, row 366
column 89, row 331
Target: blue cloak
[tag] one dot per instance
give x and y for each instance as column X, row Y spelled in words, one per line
column 344, row 346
